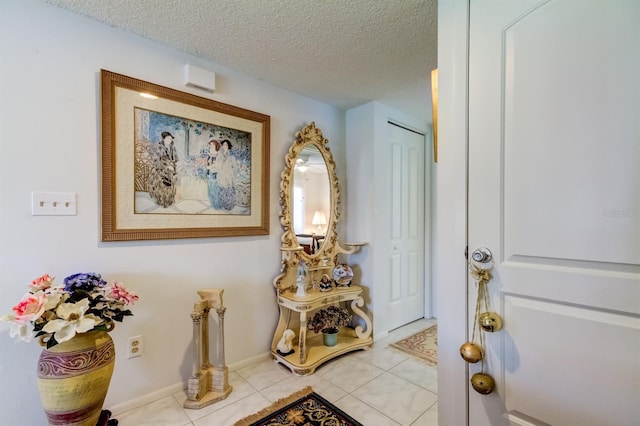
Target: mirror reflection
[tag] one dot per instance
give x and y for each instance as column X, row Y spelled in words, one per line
column 311, row 199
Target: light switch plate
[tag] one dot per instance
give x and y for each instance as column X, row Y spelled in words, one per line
column 53, row 204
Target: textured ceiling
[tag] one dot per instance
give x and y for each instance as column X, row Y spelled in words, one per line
column 341, row 52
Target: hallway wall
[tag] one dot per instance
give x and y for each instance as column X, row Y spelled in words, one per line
column 50, row 61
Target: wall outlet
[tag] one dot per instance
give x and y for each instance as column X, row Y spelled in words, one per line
column 135, row 347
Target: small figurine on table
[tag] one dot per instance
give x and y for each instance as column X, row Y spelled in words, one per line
column 302, row 279
column 285, row 344
column 325, row 283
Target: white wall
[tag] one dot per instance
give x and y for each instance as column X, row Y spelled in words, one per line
column 50, row 61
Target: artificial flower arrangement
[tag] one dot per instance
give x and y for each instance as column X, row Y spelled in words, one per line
column 55, row 314
column 330, row 319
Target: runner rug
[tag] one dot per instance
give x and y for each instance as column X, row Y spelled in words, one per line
column 423, row 345
column 304, row 407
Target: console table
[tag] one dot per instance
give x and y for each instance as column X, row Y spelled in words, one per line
column 310, row 352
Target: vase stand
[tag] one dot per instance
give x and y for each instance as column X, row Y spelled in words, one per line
column 106, row 420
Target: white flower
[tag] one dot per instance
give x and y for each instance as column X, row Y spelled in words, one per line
column 23, row 331
column 71, row 320
column 53, row 297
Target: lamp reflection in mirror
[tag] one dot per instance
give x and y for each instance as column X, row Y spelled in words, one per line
column 319, row 220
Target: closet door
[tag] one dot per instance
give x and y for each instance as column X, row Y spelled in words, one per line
column 406, row 225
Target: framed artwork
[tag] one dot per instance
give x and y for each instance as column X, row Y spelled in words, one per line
column 176, row 165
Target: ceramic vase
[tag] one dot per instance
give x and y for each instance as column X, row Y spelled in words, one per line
column 330, row 336
column 74, row 377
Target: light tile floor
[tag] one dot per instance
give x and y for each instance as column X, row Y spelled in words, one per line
column 377, row 387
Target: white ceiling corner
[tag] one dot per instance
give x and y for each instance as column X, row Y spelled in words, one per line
column 344, row 53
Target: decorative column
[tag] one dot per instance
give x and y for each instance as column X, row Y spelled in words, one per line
column 207, row 384
column 221, row 361
column 205, row 332
column 196, row 385
column 220, row 374
column 196, row 318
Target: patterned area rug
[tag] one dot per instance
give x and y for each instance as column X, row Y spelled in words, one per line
column 304, row 407
column 423, row 345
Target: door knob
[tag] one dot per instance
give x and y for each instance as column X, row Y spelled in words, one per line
column 482, row 255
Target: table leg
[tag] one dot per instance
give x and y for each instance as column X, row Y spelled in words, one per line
column 302, row 338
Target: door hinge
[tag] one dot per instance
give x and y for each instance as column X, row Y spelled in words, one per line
column 466, row 252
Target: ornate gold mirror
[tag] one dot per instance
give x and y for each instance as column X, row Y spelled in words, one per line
column 309, row 200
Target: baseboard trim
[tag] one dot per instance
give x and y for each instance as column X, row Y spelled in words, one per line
column 250, row 361
column 380, row 336
column 150, row 397
column 132, row 404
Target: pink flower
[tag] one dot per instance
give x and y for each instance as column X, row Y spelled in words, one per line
column 28, row 311
column 29, row 308
column 42, row 283
column 118, row 292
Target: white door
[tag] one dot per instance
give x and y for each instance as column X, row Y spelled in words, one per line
column 554, row 193
column 406, row 226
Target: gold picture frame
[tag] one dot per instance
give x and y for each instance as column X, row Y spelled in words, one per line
column 176, row 165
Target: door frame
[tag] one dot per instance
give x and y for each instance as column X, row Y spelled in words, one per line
column 451, row 210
